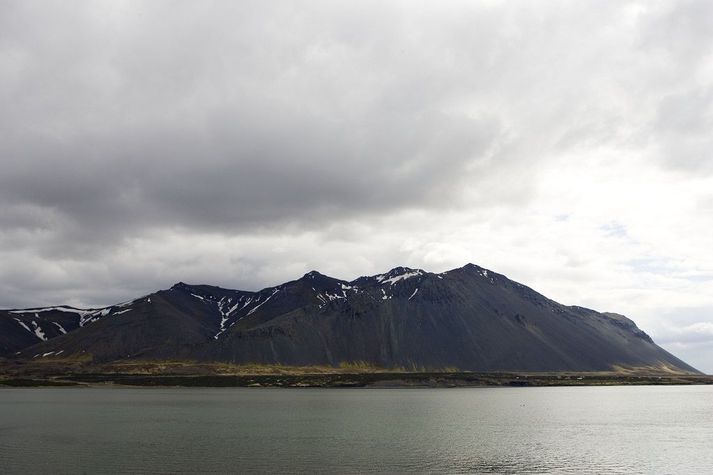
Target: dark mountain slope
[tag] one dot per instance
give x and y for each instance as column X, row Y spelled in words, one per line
column 22, row 328
column 469, row 318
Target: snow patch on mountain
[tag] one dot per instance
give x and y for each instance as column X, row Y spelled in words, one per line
column 397, row 278
column 263, row 303
column 224, row 315
column 61, row 308
column 38, row 331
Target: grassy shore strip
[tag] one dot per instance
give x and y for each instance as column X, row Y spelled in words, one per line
column 68, row 371
column 362, row 380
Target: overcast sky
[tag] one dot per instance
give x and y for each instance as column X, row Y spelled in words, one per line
column 242, row 144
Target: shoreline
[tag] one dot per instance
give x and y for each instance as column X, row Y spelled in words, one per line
column 351, row 380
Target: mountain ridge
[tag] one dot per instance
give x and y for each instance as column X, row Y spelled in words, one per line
column 469, row 318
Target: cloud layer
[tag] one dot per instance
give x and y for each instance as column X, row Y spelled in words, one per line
column 242, row 144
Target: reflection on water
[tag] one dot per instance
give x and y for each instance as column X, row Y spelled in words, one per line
column 503, row 430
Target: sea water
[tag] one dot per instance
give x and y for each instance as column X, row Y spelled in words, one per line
column 618, row 429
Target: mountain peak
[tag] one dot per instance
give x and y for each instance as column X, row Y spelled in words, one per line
column 397, row 274
column 317, row 279
column 471, row 266
column 437, row 321
column 402, row 270
column 474, row 268
column 180, row 286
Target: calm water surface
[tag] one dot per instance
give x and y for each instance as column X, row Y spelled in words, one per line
column 505, row 430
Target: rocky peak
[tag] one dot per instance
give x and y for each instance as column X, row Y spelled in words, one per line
column 180, row 286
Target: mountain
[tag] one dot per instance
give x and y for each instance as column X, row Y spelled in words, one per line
column 468, row 318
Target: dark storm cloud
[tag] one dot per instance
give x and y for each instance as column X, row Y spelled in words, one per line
column 120, row 117
column 124, row 116
column 224, row 119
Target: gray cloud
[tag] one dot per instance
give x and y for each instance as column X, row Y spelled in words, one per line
column 682, row 127
column 221, row 120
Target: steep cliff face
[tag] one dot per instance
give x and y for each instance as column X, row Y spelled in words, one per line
column 468, row 318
